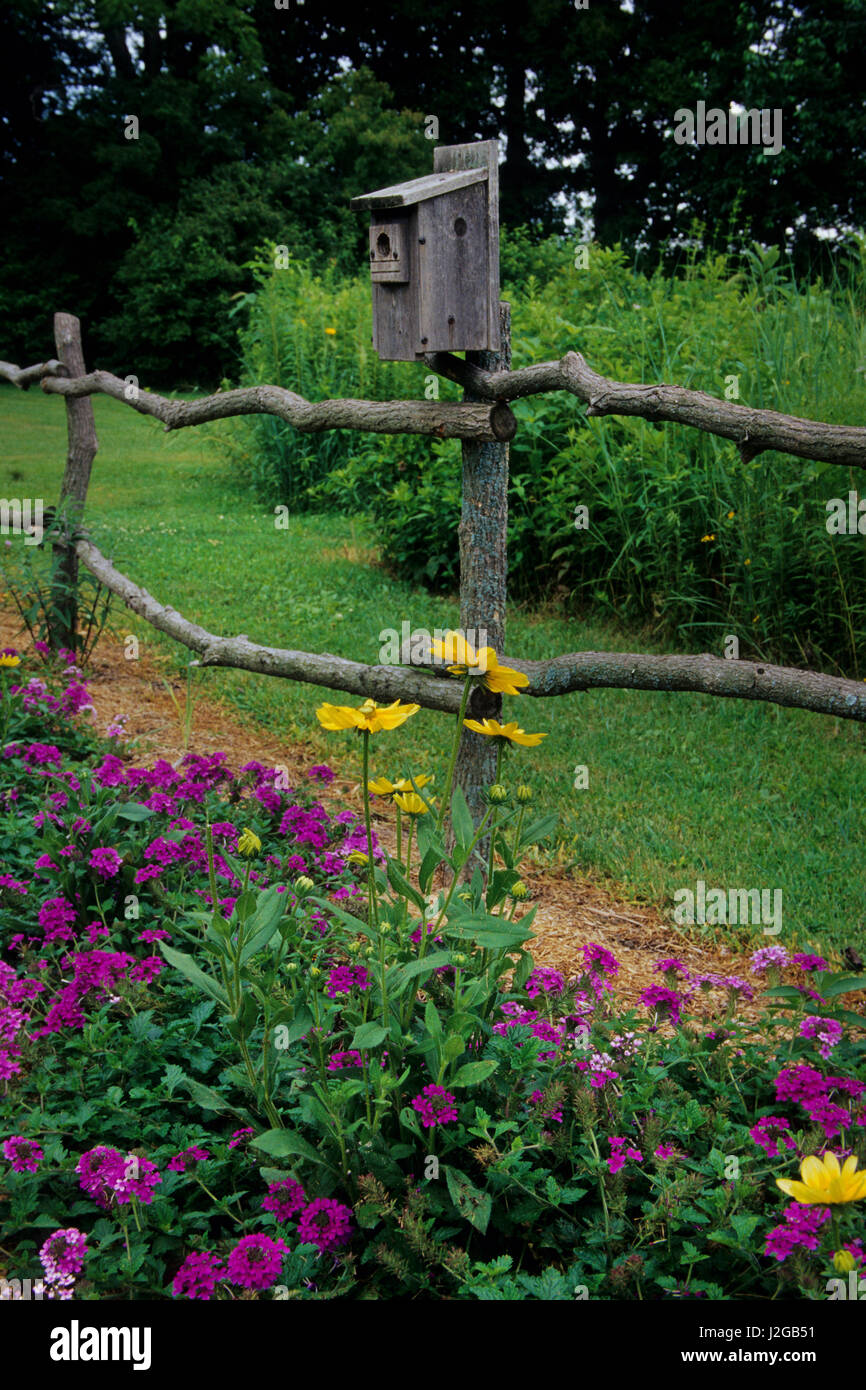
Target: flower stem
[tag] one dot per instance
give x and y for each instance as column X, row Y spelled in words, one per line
column 446, row 799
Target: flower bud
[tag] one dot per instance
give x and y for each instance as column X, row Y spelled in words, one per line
column 315, row 971
column 385, row 927
column 355, row 947
column 843, row 1260
column 292, row 967
column 497, row 792
column 519, row 890
column 369, row 951
column 304, row 884
column 459, row 958
column 524, row 793
column 249, row 843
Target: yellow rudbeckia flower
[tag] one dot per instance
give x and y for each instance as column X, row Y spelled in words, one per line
column 411, row 803
column 370, row 716
column 825, row 1182
column 10, row 661
column 463, row 660
column 512, row 732
column 382, row 787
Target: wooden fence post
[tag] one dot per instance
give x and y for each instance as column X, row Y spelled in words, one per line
column 81, row 451
column 483, row 537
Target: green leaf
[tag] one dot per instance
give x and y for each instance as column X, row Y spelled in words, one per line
column 538, row 830
column 402, row 973
column 454, row 1047
column 204, row 1096
column 172, row 1077
column 285, row 1143
column 473, row 1205
column 187, row 967
column 368, row 1035
column 845, row 984
column 432, row 1021
column 429, row 864
column 133, row 810
column 473, row 1072
column 500, row 936
column 401, row 885
column 264, row 922
column 461, row 820
column 300, row 1025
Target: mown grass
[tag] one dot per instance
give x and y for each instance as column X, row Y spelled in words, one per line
column 681, row 787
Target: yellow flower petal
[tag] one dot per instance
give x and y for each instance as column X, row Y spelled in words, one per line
column 824, row 1182
column 512, row 732
column 504, row 680
column 370, row 716
column 411, row 803
column 381, row 787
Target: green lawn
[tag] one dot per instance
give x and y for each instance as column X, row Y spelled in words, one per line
column 681, row 787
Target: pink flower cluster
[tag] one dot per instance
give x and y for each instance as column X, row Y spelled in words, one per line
column 818, row 1095
column 106, row 1175
column 620, row 1151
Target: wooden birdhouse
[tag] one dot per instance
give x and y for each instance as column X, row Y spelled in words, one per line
column 434, row 256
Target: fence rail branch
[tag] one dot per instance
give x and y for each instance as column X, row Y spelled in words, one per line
column 752, row 431
column 22, row 377
column 483, row 422
column 743, row 680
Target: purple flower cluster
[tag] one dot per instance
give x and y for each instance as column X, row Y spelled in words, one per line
column 599, row 1066
column 767, row 957
column 62, row 1257
column 435, row 1105
column 198, row 1276
column 661, row 1000
column 801, row 1229
column 671, row 968
column 543, row 980
column 255, row 1261
column 95, row 971
column 817, row 1096
column 344, row 978
column 827, row 1030
column 192, row 1154
column 25, row 1155
column 338, row 1061
column 764, row 1137
column 106, row 862
column 326, row 1224
column 809, row 963
column 599, row 960
column 620, row 1151
column 106, row 1175
column 284, row 1198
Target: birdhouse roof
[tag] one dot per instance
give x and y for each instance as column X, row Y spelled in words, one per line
column 404, row 195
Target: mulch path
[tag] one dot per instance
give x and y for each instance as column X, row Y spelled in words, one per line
column 570, row 911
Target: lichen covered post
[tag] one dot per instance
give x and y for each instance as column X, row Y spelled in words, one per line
column 483, row 535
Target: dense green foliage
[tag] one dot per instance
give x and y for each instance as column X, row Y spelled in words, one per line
column 680, row 534
column 255, row 121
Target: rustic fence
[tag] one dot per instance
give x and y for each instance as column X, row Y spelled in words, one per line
column 485, row 423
